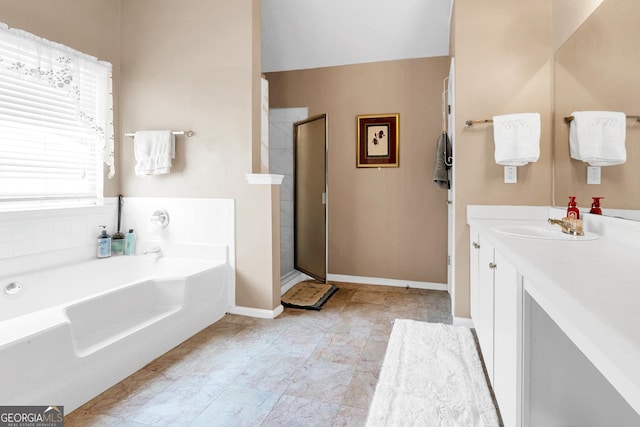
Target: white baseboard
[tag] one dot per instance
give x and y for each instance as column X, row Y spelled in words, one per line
column 256, row 312
column 387, row 282
column 290, row 279
column 463, row 321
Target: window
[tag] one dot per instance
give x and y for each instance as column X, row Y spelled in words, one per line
column 56, row 123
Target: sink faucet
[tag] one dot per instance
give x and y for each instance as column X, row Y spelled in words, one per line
column 568, row 225
column 154, row 250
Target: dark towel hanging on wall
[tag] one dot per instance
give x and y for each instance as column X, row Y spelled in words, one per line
column 444, row 161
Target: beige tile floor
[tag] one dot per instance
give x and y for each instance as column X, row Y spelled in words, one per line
column 305, row 368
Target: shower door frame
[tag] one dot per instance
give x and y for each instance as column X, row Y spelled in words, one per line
column 301, row 205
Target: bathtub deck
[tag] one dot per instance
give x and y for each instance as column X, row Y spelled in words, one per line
column 243, row 371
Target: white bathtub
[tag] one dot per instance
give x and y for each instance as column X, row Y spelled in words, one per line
column 74, row 331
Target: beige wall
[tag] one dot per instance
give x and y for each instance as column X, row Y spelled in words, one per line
column 194, row 64
column 503, row 65
column 389, row 223
column 567, row 16
column 258, row 271
column 92, row 27
column 597, row 69
column 188, row 65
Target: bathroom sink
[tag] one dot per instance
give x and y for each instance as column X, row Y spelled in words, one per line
column 541, row 232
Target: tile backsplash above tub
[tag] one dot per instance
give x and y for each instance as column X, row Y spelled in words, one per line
column 38, row 231
column 191, row 221
column 35, row 239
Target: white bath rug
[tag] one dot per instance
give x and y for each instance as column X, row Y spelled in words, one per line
column 431, row 376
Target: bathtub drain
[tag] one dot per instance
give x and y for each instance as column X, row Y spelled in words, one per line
column 12, row 288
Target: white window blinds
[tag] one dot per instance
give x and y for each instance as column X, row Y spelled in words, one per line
column 56, row 122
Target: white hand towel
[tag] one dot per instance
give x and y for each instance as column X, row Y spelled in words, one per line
column 517, row 138
column 598, row 137
column 154, row 150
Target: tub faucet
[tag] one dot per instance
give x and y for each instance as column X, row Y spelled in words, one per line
column 154, row 250
column 568, row 225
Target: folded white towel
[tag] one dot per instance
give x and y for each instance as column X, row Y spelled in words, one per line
column 154, row 150
column 598, row 137
column 517, row 138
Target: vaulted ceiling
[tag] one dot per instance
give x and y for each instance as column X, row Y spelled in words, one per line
column 300, row 34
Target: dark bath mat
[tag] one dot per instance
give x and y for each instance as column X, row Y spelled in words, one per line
column 309, row 295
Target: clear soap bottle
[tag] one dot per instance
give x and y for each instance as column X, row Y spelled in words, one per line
column 130, row 243
column 104, row 243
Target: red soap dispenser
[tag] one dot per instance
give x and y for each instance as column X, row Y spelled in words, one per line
column 572, row 210
column 595, row 206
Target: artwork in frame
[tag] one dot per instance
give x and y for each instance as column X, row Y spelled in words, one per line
column 377, row 141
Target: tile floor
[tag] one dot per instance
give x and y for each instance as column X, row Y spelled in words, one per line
column 304, row 368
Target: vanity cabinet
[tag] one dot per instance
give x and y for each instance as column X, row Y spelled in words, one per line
column 562, row 338
column 496, row 311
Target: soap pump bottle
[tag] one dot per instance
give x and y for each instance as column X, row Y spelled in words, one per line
column 595, row 206
column 104, row 243
column 572, row 210
column 130, row 243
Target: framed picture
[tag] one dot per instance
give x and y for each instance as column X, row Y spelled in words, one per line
column 377, row 141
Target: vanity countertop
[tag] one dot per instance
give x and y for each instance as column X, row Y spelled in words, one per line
column 591, row 289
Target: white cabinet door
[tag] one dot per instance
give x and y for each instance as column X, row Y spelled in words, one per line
column 474, row 252
column 507, row 340
column 496, row 309
column 483, row 322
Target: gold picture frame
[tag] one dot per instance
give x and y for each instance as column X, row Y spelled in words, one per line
column 377, row 142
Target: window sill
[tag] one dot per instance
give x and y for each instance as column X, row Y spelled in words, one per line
column 36, row 213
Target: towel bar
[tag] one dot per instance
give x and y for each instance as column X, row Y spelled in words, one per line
column 188, row 133
column 569, row 119
column 469, row 123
